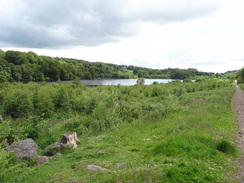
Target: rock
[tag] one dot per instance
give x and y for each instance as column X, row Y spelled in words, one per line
column 70, row 139
column 96, row 167
column 25, row 149
column 102, row 152
column 148, row 139
column 117, row 165
column 59, row 146
column 57, row 155
column 41, row 160
column 54, row 148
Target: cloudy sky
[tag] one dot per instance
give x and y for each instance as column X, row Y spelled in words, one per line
column 204, row 34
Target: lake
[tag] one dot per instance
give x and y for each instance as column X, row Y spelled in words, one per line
column 124, row 82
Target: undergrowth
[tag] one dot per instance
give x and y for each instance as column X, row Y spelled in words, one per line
column 242, row 86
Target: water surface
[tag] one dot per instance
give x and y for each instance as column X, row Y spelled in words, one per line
column 124, row 82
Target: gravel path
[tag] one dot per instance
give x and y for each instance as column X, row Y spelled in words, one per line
column 239, row 107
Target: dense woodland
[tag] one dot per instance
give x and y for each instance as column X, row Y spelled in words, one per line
column 25, row 67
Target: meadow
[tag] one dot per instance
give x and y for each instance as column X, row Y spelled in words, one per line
column 175, row 132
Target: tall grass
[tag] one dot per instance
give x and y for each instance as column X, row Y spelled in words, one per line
column 242, row 86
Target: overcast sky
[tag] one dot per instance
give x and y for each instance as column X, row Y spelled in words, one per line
column 204, row 34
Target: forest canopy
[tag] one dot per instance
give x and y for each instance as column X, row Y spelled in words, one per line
column 25, row 67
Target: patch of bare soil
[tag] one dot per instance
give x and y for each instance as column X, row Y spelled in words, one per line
column 239, row 107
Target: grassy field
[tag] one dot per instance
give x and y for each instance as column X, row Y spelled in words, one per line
column 128, row 73
column 164, row 133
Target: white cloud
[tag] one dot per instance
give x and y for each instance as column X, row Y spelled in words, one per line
column 207, row 35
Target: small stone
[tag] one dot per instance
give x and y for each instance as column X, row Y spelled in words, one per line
column 102, row 152
column 96, row 167
column 117, row 165
column 74, row 166
column 53, row 148
column 148, row 139
column 57, row 155
column 41, row 160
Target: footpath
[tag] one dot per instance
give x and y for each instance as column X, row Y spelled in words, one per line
column 239, row 107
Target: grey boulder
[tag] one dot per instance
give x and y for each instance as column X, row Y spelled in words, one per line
column 24, row 149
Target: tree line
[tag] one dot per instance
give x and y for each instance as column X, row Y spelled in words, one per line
column 28, row 66
column 170, row 73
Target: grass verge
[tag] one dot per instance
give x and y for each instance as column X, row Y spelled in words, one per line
column 193, row 145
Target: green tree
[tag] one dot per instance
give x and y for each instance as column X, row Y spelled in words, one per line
column 17, row 73
column 32, row 57
column 2, row 54
column 140, row 81
column 27, row 73
column 16, row 57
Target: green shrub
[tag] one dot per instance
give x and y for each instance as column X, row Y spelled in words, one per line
column 43, row 102
column 11, row 132
column 240, row 76
column 226, row 147
column 187, row 81
column 18, row 104
column 62, row 99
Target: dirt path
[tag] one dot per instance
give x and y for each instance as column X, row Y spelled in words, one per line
column 239, row 107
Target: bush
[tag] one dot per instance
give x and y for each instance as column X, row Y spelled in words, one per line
column 11, row 132
column 18, row 104
column 187, row 80
column 43, row 102
column 62, row 99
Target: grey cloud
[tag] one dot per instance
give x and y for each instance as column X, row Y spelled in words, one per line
column 62, row 23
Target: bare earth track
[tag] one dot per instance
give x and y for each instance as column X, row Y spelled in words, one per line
column 239, row 107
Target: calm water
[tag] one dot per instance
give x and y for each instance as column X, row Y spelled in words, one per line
column 125, row 82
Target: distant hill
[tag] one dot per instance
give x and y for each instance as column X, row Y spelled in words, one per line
column 25, row 67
